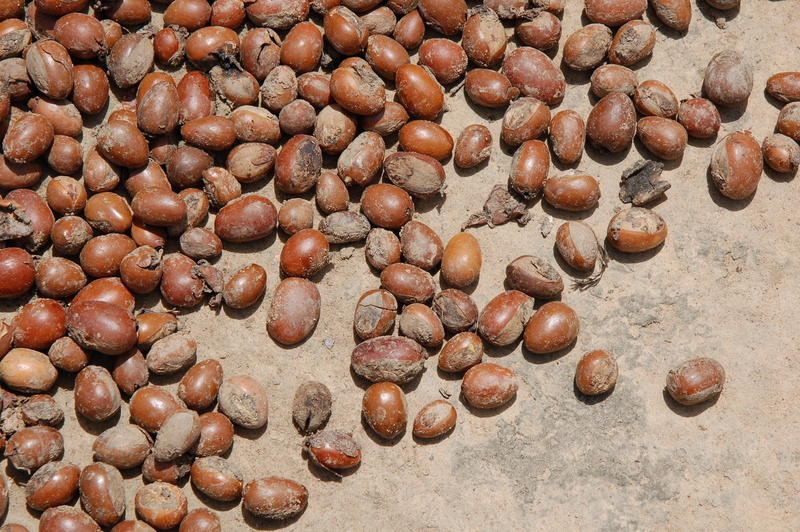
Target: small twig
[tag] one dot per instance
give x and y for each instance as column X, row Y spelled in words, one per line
column 583, row 284
column 452, row 92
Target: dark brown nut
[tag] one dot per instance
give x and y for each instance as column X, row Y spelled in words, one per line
column 535, row 277
column 38, row 324
column 677, row 14
column 388, row 358
column 304, row 254
column 484, row 38
column 245, row 286
column 420, row 245
column 251, row 161
column 50, row 68
column 360, row 163
column 32, row 447
column 161, row 505
column 653, row 98
column 456, row 310
column 344, row 227
column 312, row 407
column 101, row 326
column 384, row 408
column 736, row 165
column 540, row 30
column 158, row 107
column 67, row 355
column 277, row 15
column 302, row 47
column 216, row 435
column 246, row 219
column 567, row 136
column 421, row 324
column 260, row 52
column 177, row 435
column 700, row 117
column 331, row 193
column 572, row 191
column 332, row 450
column 345, row 31
column 130, row 59
column 153, row 326
column 169, row 46
column 577, row 244
column 196, row 96
column 613, row 78
column 419, row 92
column 426, row 137
column 636, row 229
column 409, row 284
column 295, row 215
column 463, row 351
column 27, row 371
column 696, row 381
column 534, row 74
column 334, row 129
column 40, row 215
column 525, row 119
column 29, row 137
column 420, row 175
column 123, row 446
column 201, row 519
column 504, row 318
column 66, row 518
column 197, row 206
column 729, row 79
column 375, row 314
column 151, row 406
column 294, row 311
column 390, row 120
column 664, row 138
column 274, row 498
column 529, row 168
column 315, row 88
column 297, row 118
column 102, row 493
column 53, row 484
column 552, row 328
column 382, row 249
column 387, row 206
column 780, row 152
column 172, row 354
column 244, row 401
column 210, row 133
column 97, row 396
column 217, row 478
column 614, row 13
column 108, row 212
column 158, row 206
column 123, row 144
column 108, row 289
column 20, row 272
column 435, row 419
column 66, row 195
column 62, row 114
column 385, row 55
column 789, row 121
column 596, row 372
column 586, row 49
column 199, row 386
column 448, row 18
column 100, row 174
column 206, row 46
column 357, row 88
column 784, row 86
column 298, row 165
column 612, row 123
column 633, row 42
column 474, row 146
column 190, row 14
column 488, row 385
column 19, row 175
column 170, row 471
column 200, row 243
column 445, row 59
column 220, row 186
column 129, row 371
column 42, row 410
column 279, row 88
column 462, row 260
column 410, row 30
column 69, row 235
column 90, row 89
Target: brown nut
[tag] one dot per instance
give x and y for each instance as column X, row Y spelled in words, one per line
column 784, row 86
column 535, row 277
column 447, row 17
column 274, row 498
column 331, row 193
column 426, row 137
column 333, row 450
column 529, row 168
column 736, row 165
column 67, row 355
column 456, row 310
column 334, row 129
column 664, row 138
column 484, row 38
column 385, row 408
column 302, row 47
column 586, row 49
column 177, row 435
column 780, row 152
column 636, row 229
column 150, row 406
column 216, row 435
column 345, row 31
column 614, row 13
column 461, row 352
column 572, row 191
column 28, row 371
column 102, row 493
column 387, row 205
column 201, row 519
column 246, row 219
column 357, row 88
column 409, row 284
column 489, row 88
column 700, row 117
column 540, row 30
column 420, row 175
column 217, row 478
column 32, row 447
column 534, row 74
column 596, row 372
column 244, row 401
column 419, row 92
column 382, row 249
column 312, row 406
column 488, row 385
column 97, row 396
column 101, row 326
column 729, row 79
column 38, row 324
column 421, row 324
column 129, row 371
column 420, row 245
column 577, row 245
column 60, row 518
column 54, row 484
column 29, row 137
column 677, row 14
column 503, row 319
column 304, row 254
column 199, row 386
column 653, row 98
column 295, row 215
column 435, row 419
column 385, row 55
column 298, row 165
column 344, row 227
column 552, row 328
column 696, row 381
column 525, row 119
column 789, row 120
column 245, row 287
column 612, row 123
column 154, row 326
column 388, row 358
column 122, row 446
column 375, row 314
column 445, row 59
column 294, row 311
column 161, row 505
column 473, row 146
column 123, row 144
column 633, row 42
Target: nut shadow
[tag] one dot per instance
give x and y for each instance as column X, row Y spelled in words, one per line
column 486, row 412
column 563, row 215
column 433, row 441
column 219, row 506
column 688, row 411
column 591, row 399
column 380, row 440
column 712, row 14
column 605, row 157
column 327, row 475
column 631, row 258
column 250, row 434
column 407, row 387
column 95, row 428
column 547, row 358
column 263, row 523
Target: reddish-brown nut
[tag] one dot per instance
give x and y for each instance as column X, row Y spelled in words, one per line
column 633, row 42
column 357, row 88
column 696, row 381
column 789, row 121
column 244, row 401
column 207, row 46
column 653, row 98
column 345, row 31
column 385, row 409
column 780, row 152
column 677, row 14
column 567, row 136
column 177, row 435
column 385, row 55
column 220, row 186
column 153, row 326
column 199, row 386
column 534, row 74
column 246, row 219
column 380, row 21
column 40, row 216
column 69, row 235
column 200, row 243
column 297, row 118
column 664, row 138
column 201, row 519
column 538, row 29
column 108, row 212
column 728, row 79
column 420, row 175
column 190, row 14
column 360, row 163
column 435, row 419
column 108, row 289
column 636, row 229
column 488, row 385
column 614, row 12
column 461, row 260
column 426, row 137
column 294, row 310
column 474, row 146
column 279, row 88
column 101, row 326
column 216, row 435
column 332, row 450
column 596, row 372
column 612, row 123
column 736, row 165
column 90, row 89
column 123, row 144
column 409, row 284
column 577, row 245
column 50, row 68
column 148, row 176
column 169, row 46
column 245, row 286
column 388, row 358
column 172, row 354
column 552, row 328
column 20, row 272
column 445, row 59
column 210, row 132
column 102, row 493
column 28, row 371
column 375, row 314
column 63, row 115
column 484, row 38
column 66, row 195
column 161, row 505
column 158, row 107
column 446, row 17
column 302, row 47
column 122, row 446
column 130, row 59
column 151, row 406
column 387, row 205
column 14, row 176
column 97, row 396
column 32, row 447
column 275, row 498
column 129, row 371
column 586, row 48
column 132, row 526
column 67, row 355
column 217, row 478
column 334, row 129
column 298, row 165
column 419, row 92
column 331, row 193
column 456, row 310
column 251, row 161
column 784, row 86
column 382, row 249
column 504, row 318
column 304, row 254
column 613, row 78
column 410, row 30
column 535, row 277
column 700, row 117
column 60, row 518
column 38, row 324
column 420, row 245
column 196, row 96
column 421, row 324
column 29, row 137
column 53, row 484
column 314, row 87
column 463, row 351
column 529, row 168
column 100, row 174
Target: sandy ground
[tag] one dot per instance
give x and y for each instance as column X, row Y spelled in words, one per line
column 723, row 285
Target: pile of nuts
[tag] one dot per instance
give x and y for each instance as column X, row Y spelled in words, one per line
column 204, row 99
